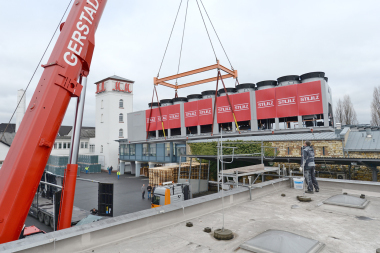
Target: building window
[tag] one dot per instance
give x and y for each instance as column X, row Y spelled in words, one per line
column 55, row 145
column 145, row 149
column 122, row 149
column 82, row 145
column 101, row 118
column 101, row 105
column 132, row 149
column 120, row 133
column 59, row 145
column 121, row 118
column 121, row 103
column 167, row 149
column 64, row 145
column 323, row 150
column 92, row 148
column 86, row 145
column 101, row 149
column 152, row 149
column 68, row 145
column 126, row 149
column 288, row 151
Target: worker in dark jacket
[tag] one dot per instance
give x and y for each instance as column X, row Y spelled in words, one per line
column 307, row 161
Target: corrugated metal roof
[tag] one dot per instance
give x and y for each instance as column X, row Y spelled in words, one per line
column 281, row 137
column 358, row 141
column 7, row 139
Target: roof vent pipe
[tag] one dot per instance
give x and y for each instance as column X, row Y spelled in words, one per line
column 166, row 102
column 266, row 84
column 312, row 76
column 179, row 100
column 154, row 105
column 208, row 94
column 288, row 80
column 230, row 91
column 245, row 87
column 194, row 97
column 368, row 132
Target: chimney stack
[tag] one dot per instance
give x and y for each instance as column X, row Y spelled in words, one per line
column 21, row 108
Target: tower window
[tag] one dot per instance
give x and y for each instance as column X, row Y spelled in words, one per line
column 121, row 118
column 101, row 118
column 121, row 103
column 101, row 105
column 101, row 149
column 121, row 132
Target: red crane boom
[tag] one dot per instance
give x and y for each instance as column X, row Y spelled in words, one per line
column 26, row 160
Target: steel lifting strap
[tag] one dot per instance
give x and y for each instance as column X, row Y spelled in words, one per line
column 229, row 102
column 150, row 114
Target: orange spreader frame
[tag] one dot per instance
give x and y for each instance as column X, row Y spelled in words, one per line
column 162, row 81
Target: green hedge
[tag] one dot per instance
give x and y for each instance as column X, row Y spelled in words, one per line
column 209, row 148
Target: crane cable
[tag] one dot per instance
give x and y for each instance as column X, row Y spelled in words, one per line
column 183, row 35
column 216, row 34
column 167, row 45
column 216, row 58
column 38, row 65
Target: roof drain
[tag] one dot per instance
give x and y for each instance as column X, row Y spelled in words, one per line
column 273, row 241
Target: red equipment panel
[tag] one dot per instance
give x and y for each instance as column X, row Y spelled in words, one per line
column 310, row 98
column 286, row 100
column 165, row 117
column 265, row 103
column 152, row 123
column 205, row 112
column 174, row 112
column 242, row 106
column 224, row 110
column 191, row 113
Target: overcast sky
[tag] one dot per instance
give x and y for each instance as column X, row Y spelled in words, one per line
column 263, row 39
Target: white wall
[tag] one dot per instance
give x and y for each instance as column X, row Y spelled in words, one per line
column 3, row 152
column 107, row 128
column 65, row 151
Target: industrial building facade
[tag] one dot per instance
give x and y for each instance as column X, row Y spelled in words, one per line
column 293, row 104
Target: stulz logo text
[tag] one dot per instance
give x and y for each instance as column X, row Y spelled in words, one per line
column 224, row 109
column 265, row 103
column 153, row 119
column 165, row 117
column 286, row 101
column 309, row 98
column 191, row 114
column 174, row 116
column 203, row 112
column 83, row 26
column 241, row 107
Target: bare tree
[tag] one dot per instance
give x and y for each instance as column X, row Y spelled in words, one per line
column 345, row 112
column 375, row 107
column 339, row 112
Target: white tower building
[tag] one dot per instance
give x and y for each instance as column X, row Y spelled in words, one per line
column 21, row 108
column 114, row 99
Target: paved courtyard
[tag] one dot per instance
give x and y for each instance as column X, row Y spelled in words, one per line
column 127, row 195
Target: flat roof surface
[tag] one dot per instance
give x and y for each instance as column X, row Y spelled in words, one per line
column 341, row 229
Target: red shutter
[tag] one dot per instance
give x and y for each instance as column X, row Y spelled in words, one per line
column 191, row 113
column 242, row 106
column 164, row 113
column 205, row 111
column 224, row 110
column 310, row 98
column 265, row 103
column 152, row 121
column 174, row 112
column 286, row 100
